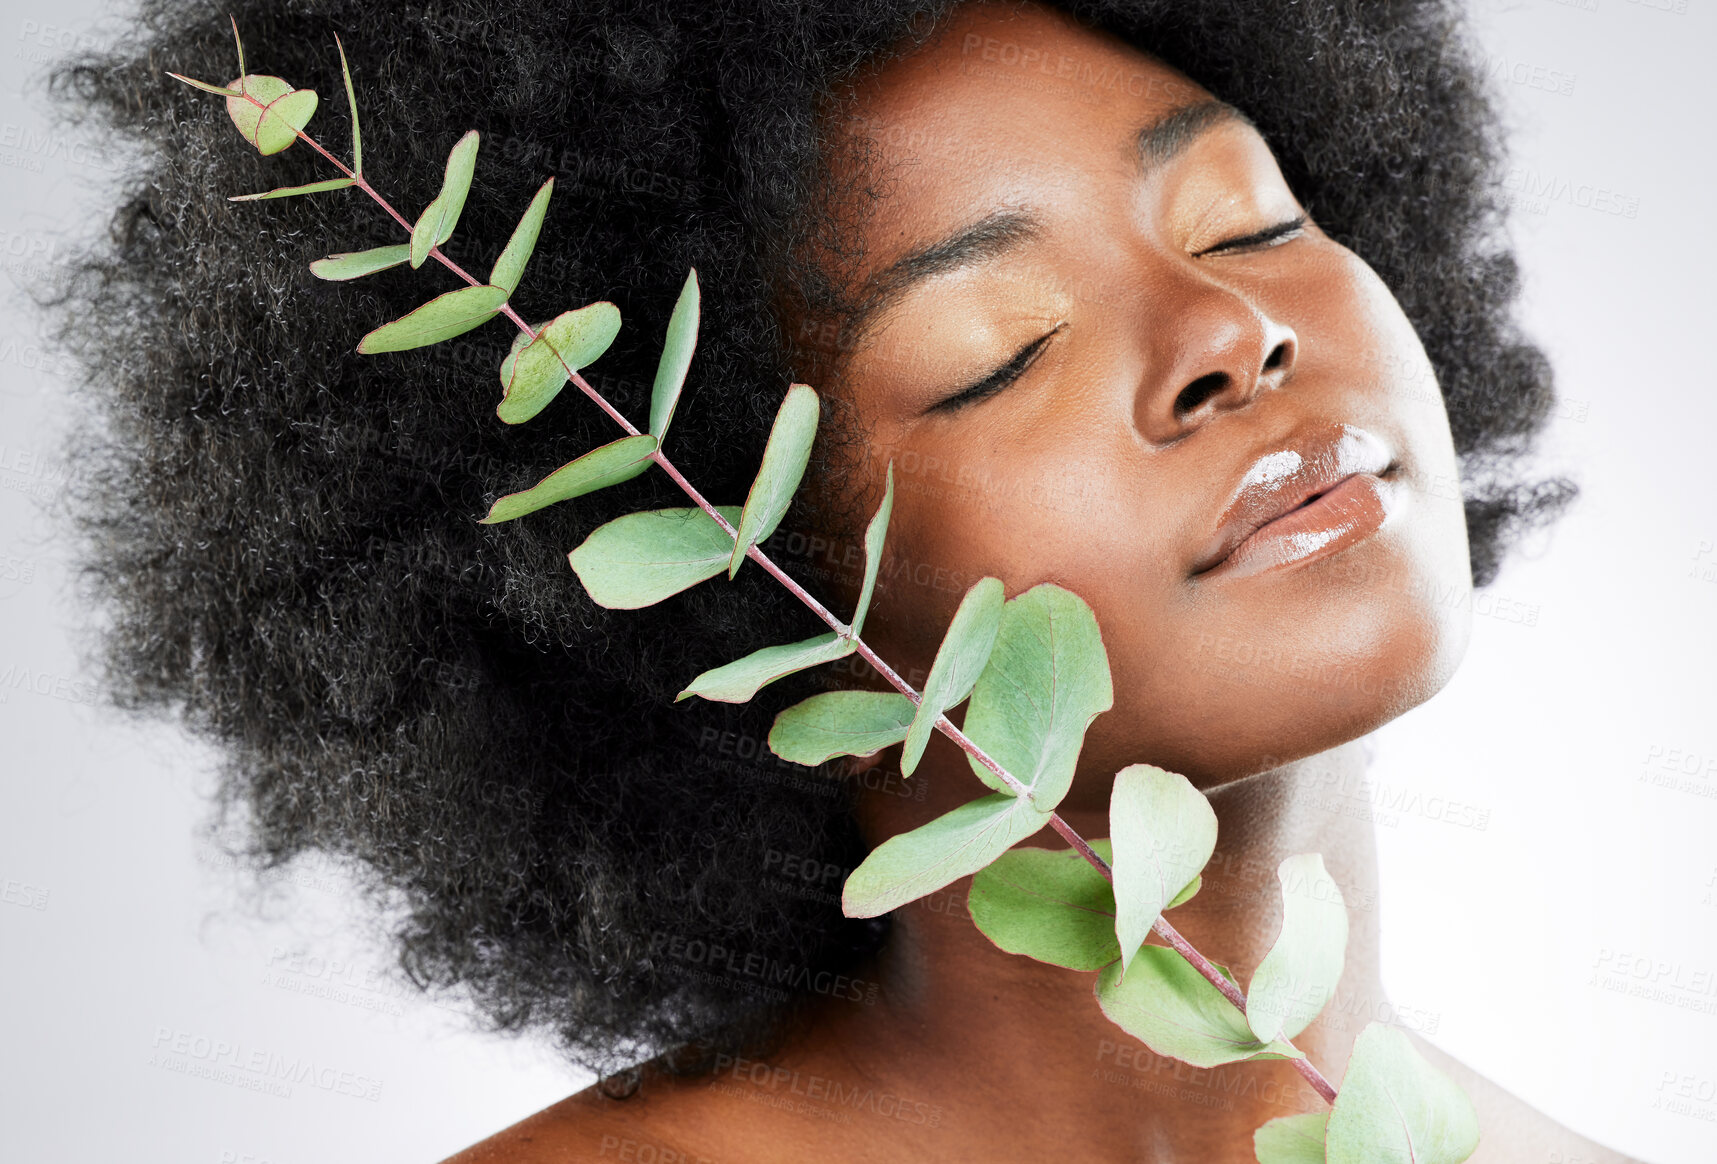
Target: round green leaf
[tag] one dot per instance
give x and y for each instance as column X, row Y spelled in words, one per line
column 510, row 267
column 739, row 680
column 874, row 535
column 616, row 461
column 1299, row 974
column 840, row 723
column 357, row 264
column 1046, row 680
column 1047, row 904
column 1394, row 1106
column 642, row 558
column 1291, row 1140
column 1164, row 831
column 959, row 660
column 911, row 864
column 1170, row 1007
column 435, row 225
column 443, row 317
column 269, row 112
column 784, row 461
column 676, row 358
column 533, row 375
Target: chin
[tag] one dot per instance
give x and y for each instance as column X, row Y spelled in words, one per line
column 1337, row 656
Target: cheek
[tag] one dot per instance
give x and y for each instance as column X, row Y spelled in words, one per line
column 1046, row 504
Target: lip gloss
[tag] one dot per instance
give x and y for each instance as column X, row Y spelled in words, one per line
column 1349, row 513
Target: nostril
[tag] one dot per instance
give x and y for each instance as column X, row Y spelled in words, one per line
column 1199, row 391
column 1278, row 357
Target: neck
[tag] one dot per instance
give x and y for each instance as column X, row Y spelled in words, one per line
column 965, row 1020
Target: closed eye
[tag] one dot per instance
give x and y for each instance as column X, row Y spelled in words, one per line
column 1268, row 237
column 998, row 379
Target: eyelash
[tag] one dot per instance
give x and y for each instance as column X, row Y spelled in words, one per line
column 1270, row 235
column 1026, row 356
column 1001, row 377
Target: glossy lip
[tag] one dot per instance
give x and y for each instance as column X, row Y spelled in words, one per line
column 1320, row 491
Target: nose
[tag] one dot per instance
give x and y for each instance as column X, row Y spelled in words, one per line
column 1215, row 354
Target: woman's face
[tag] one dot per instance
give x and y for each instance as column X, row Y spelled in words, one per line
column 1110, row 351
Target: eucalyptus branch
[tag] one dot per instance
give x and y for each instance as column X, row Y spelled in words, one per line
column 1044, row 904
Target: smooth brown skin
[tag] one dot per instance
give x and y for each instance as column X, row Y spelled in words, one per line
column 1096, row 481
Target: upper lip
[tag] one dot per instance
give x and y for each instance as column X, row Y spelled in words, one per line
column 1313, row 459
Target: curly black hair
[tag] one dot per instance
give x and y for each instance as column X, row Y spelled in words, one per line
column 284, row 531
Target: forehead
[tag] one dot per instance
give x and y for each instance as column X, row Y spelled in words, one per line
column 1003, row 106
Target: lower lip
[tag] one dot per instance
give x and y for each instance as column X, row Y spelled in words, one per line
column 1351, row 512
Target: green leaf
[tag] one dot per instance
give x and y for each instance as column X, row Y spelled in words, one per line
column 840, row 723
column 1048, row 904
column 520, row 342
column 1045, row 683
column 1169, row 1006
column 1291, row 1140
column 1394, row 1106
column 357, row 264
column 510, row 267
column 443, row 317
column 676, row 356
column 1164, row 831
column 536, row 370
column 642, row 558
column 614, row 462
column 739, row 680
column 352, row 103
column 269, row 112
column 911, row 864
column 1185, row 895
column 288, row 191
column 874, row 535
column 959, row 660
column 204, row 85
column 237, row 43
column 435, row 225
column 784, row 461
column 1299, row 974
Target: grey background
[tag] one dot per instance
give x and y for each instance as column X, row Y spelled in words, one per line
column 1567, row 948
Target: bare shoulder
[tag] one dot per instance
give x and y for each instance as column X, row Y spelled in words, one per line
column 675, row 1120
column 1514, row 1132
column 667, row 1120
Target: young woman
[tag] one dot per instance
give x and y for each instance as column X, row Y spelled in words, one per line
column 1196, row 311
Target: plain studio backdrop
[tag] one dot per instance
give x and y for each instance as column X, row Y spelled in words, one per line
column 1546, row 824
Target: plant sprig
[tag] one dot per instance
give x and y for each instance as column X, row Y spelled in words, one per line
column 1033, row 667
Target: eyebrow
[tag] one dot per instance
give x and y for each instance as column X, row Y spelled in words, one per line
column 1003, row 231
